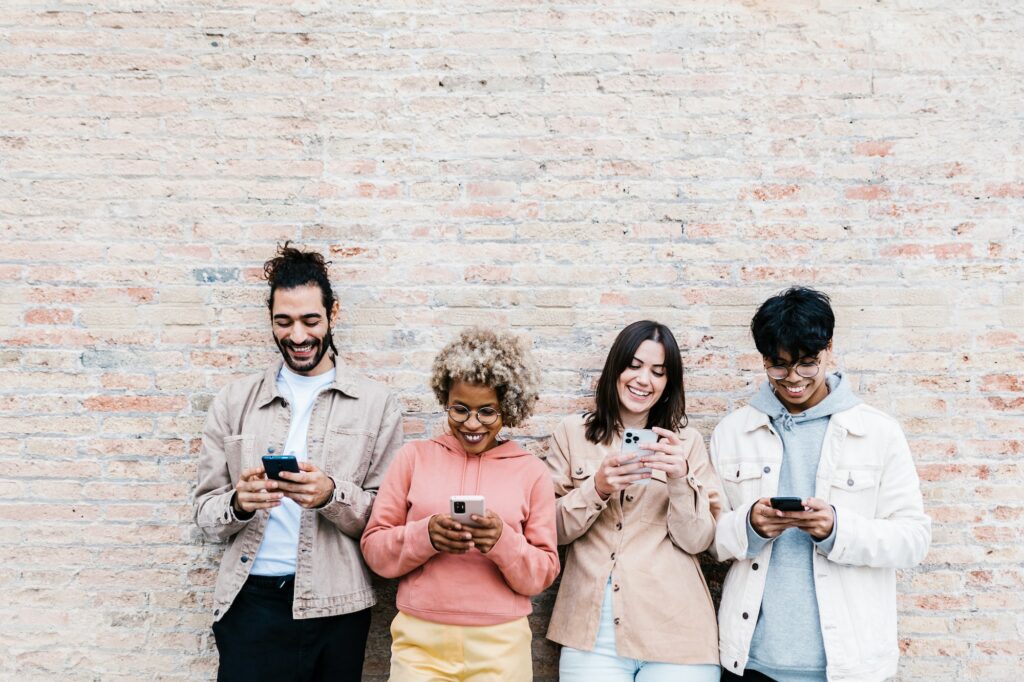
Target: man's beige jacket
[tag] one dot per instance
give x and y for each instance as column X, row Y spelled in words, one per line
column 354, row 431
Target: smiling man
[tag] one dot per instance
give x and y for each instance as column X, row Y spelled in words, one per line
column 811, row 594
column 293, row 594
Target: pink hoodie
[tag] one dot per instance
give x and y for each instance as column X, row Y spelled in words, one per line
column 471, row 588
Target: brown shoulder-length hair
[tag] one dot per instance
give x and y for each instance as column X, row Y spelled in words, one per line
column 668, row 413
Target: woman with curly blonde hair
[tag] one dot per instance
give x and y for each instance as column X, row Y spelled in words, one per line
column 465, row 587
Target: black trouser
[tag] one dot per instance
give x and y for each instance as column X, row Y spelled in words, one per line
column 259, row 640
column 745, row 675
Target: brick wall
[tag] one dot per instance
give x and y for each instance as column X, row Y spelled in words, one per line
column 562, row 168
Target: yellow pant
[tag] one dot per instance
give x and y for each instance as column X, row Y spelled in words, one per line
column 421, row 650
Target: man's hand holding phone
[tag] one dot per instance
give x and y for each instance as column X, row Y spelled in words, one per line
column 255, row 491
column 816, row 518
column 310, row 488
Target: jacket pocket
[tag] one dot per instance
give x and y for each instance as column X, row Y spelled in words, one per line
column 581, row 471
column 348, row 454
column 741, row 481
column 238, row 453
column 855, row 490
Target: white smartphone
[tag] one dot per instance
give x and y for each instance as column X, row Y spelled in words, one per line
column 464, row 506
column 631, row 440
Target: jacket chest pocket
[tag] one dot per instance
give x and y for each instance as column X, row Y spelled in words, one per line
column 580, row 470
column 239, row 453
column 855, row 490
column 743, row 481
column 347, row 454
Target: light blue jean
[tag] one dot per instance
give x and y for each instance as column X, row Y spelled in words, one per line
column 603, row 664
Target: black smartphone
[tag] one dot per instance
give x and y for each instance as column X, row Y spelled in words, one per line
column 787, row 503
column 275, row 464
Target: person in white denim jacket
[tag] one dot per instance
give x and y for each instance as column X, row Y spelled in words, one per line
column 811, row 594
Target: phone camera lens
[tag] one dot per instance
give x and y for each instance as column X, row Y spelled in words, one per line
column 460, row 507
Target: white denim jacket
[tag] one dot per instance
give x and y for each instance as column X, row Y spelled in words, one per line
column 866, row 473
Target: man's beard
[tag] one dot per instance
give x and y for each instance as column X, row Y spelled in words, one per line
column 303, row 366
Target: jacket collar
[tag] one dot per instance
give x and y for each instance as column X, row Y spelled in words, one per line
column 344, row 382
column 851, row 420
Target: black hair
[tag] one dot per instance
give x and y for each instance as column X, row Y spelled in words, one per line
column 292, row 268
column 798, row 321
column 670, row 410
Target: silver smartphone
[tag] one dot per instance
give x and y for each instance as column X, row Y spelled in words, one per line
column 464, row 506
column 631, row 440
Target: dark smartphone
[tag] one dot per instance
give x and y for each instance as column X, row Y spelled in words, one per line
column 275, row 464
column 787, row 503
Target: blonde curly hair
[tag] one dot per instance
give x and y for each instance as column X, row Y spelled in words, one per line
column 500, row 360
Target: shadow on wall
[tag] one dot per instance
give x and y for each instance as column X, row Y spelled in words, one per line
column 545, row 653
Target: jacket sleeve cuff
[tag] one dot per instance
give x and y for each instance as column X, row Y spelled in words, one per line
column 687, row 483
column 825, row 546
column 343, row 495
column 590, row 496
column 229, row 516
column 755, row 541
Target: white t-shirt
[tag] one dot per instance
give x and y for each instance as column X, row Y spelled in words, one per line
column 280, row 546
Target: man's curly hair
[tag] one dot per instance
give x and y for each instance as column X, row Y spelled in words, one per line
column 500, row 360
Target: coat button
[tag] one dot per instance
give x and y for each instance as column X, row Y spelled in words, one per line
column 754, row 566
column 615, row 589
column 735, row 664
column 613, row 556
column 737, row 473
column 629, row 498
column 270, row 449
column 849, row 481
column 616, row 621
column 216, row 612
column 767, row 470
column 618, row 526
column 244, row 558
column 579, row 470
column 745, row 615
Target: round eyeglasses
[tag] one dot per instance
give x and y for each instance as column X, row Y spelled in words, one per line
column 460, row 414
column 807, row 370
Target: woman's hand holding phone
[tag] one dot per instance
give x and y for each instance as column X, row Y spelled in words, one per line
column 448, row 535
column 666, row 455
column 487, row 532
column 618, row 472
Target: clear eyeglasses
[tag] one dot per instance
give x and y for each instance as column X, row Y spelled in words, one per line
column 807, row 370
column 460, row 414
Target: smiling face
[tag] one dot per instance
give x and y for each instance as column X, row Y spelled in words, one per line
column 301, row 327
column 475, row 437
column 796, row 393
column 641, row 384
